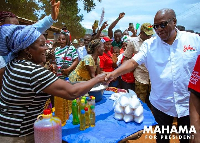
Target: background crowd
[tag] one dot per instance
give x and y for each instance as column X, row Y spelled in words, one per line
column 157, row 66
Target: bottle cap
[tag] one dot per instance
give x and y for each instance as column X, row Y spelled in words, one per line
column 82, row 101
column 93, row 98
column 74, row 101
column 82, row 111
column 84, row 97
column 92, row 107
column 89, row 99
column 47, row 112
column 86, row 108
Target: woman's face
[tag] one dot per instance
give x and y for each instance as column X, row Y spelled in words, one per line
column 101, row 49
column 63, row 40
column 107, row 46
column 38, row 50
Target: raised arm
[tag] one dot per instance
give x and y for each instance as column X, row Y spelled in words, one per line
column 45, row 23
column 104, row 25
column 110, row 32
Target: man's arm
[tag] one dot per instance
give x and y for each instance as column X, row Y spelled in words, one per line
column 126, row 67
column 110, row 32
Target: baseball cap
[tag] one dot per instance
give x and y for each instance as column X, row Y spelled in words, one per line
column 75, row 41
column 106, row 39
column 147, row 28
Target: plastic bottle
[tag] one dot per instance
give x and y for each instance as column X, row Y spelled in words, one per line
column 75, row 113
column 87, row 118
column 82, row 106
column 92, row 116
column 68, row 103
column 93, row 100
column 48, row 129
column 82, row 120
column 60, row 109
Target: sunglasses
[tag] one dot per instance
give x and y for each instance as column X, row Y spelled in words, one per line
column 161, row 25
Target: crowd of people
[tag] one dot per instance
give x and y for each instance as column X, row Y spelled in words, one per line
column 157, row 66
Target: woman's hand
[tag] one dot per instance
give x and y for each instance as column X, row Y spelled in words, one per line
column 65, row 72
column 55, row 9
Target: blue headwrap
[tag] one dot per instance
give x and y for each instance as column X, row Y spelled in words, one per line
column 19, row 38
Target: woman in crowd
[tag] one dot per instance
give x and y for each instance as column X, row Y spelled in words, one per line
column 27, row 85
column 66, row 56
column 108, row 62
column 88, row 67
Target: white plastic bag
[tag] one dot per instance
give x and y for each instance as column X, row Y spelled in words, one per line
column 138, row 119
column 138, row 111
column 128, row 118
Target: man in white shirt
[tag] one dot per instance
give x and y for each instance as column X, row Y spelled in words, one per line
column 82, row 51
column 169, row 57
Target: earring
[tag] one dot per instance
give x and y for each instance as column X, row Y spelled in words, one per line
column 29, row 56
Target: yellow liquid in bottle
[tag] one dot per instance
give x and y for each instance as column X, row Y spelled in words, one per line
column 60, row 109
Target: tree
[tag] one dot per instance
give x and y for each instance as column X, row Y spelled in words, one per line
column 69, row 12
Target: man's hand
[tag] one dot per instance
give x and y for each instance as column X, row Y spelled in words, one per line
column 55, row 9
column 121, row 15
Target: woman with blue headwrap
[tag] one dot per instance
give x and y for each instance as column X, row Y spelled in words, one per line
column 27, row 85
column 8, row 22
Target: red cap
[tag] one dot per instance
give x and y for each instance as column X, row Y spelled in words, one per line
column 47, row 112
column 86, row 108
column 107, row 39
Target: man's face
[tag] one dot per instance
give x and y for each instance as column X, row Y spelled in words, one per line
column 87, row 39
column 164, row 25
column 118, row 36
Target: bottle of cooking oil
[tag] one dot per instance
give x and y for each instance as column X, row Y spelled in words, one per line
column 82, row 106
column 60, row 109
column 82, row 120
column 87, row 118
column 92, row 116
column 75, row 112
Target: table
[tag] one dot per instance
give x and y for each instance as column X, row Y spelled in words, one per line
column 107, row 129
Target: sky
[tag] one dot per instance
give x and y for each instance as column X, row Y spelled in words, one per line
column 142, row 11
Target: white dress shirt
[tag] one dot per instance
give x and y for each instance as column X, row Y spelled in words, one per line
column 170, row 68
column 82, row 52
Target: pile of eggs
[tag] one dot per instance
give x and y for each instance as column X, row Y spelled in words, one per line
column 128, row 108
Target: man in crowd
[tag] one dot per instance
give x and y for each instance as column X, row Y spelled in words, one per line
column 169, row 57
column 82, row 51
column 141, row 74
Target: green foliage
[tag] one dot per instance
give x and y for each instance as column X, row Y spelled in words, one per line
column 22, row 8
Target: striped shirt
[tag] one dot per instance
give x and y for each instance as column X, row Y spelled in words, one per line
column 22, row 99
column 71, row 54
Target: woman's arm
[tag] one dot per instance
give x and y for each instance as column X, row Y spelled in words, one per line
column 68, row 91
column 91, row 70
column 71, row 68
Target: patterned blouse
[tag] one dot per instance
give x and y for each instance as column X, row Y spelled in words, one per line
column 81, row 73
column 71, row 54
